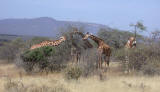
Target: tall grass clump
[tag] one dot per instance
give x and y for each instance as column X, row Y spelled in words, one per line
column 73, row 73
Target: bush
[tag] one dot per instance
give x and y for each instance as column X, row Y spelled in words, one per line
column 39, row 54
column 137, row 59
column 119, row 54
column 73, row 73
column 150, row 70
column 37, row 57
column 10, row 49
column 88, row 62
column 116, row 38
column 144, row 58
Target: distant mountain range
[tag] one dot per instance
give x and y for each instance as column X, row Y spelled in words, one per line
column 43, row 26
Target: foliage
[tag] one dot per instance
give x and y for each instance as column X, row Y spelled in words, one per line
column 51, row 58
column 155, row 34
column 139, row 25
column 39, row 54
column 115, row 38
column 137, row 58
column 144, row 58
column 9, row 49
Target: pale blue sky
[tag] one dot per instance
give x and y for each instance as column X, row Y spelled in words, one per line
column 114, row 13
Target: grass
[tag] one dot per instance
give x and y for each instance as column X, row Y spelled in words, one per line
column 16, row 80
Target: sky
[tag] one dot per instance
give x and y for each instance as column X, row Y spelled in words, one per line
column 114, row 13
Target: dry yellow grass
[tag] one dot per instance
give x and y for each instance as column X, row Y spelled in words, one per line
column 113, row 82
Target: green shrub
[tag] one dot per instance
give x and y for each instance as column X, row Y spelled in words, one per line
column 37, row 55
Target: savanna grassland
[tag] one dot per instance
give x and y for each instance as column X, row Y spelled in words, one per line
column 14, row 79
column 52, row 69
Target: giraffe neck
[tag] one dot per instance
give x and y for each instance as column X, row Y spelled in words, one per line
column 48, row 43
column 54, row 43
column 96, row 39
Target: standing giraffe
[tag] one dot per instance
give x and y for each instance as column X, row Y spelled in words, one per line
column 103, row 49
column 49, row 43
column 131, row 43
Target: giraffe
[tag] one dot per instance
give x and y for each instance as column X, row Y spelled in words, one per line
column 75, row 50
column 49, row 43
column 131, row 43
column 103, row 49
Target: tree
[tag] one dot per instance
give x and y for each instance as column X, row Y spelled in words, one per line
column 139, row 25
column 115, row 38
column 155, row 34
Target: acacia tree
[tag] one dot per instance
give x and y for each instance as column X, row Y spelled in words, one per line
column 139, row 25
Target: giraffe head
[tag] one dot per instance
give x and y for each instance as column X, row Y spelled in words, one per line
column 132, row 42
column 63, row 38
column 87, row 35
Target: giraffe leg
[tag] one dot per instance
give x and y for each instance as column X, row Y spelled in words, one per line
column 76, row 58
column 105, row 61
column 79, row 57
column 100, row 62
column 73, row 58
column 97, row 63
column 108, row 58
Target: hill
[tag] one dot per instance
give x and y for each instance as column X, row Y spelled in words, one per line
column 43, row 26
